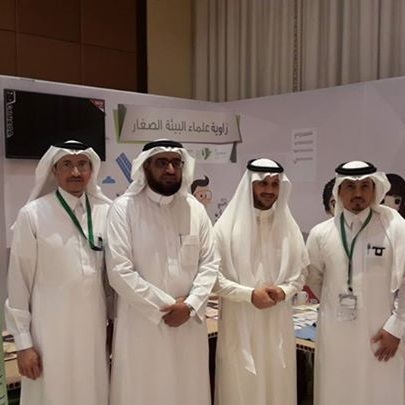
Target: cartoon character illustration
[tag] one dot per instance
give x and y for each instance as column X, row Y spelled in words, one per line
column 328, row 199
column 200, row 190
column 395, row 198
column 220, row 208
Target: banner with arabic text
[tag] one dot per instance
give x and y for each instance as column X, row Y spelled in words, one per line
column 144, row 124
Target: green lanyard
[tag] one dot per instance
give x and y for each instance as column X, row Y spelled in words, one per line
column 71, row 214
column 349, row 252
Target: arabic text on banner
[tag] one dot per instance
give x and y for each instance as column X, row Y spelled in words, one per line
column 143, row 124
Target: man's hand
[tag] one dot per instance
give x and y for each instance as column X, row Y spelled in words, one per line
column 388, row 345
column 176, row 314
column 29, row 363
column 261, row 299
column 276, row 293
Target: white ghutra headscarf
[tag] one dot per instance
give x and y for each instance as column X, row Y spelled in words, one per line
column 358, row 170
column 45, row 181
column 237, row 228
column 153, row 148
column 392, row 221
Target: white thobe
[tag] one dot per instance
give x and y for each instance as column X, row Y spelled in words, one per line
column 270, row 332
column 56, row 302
column 160, row 249
column 346, row 371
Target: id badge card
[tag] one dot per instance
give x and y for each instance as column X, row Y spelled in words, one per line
column 347, row 307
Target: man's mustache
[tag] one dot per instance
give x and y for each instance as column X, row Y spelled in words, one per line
column 168, row 177
column 357, row 199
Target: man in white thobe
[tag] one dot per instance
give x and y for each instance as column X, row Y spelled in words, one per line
column 56, row 306
column 263, row 261
column 162, row 263
column 357, row 270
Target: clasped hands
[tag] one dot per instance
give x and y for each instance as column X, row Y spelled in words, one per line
column 267, row 296
column 177, row 313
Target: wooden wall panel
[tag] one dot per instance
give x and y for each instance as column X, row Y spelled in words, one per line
column 8, row 53
column 110, row 24
column 94, row 42
column 50, row 18
column 109, row 68
column 7, row 15
column 49, row 59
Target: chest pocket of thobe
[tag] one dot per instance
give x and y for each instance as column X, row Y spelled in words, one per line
column 378, row 260
column 189, row 251
column 377, row 271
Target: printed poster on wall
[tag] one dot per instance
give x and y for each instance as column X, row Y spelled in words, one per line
column 303, row 152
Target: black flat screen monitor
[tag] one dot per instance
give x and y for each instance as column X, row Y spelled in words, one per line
column 34, row 121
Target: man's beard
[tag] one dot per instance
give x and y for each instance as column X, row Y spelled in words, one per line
column 165, row 189
column 358, row 204
column 260, row 205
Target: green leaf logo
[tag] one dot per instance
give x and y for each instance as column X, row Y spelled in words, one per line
column 206, row 152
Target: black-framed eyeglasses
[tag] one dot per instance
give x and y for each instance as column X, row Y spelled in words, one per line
column 163, row 164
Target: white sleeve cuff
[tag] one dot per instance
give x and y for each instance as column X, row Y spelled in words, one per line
column 395, row 326
column 245, row 293
column 155, row 317
column 289, row 291
column 199, row 309
column 154, row 313
column 23, row 341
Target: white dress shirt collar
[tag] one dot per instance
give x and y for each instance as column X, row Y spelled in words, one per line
column 159, row 198
column 351, row 218
column 73, row 201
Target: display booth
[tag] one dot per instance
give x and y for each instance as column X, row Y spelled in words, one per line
column 309, row 133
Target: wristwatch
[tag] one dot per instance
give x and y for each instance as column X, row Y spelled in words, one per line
column 191, row 309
